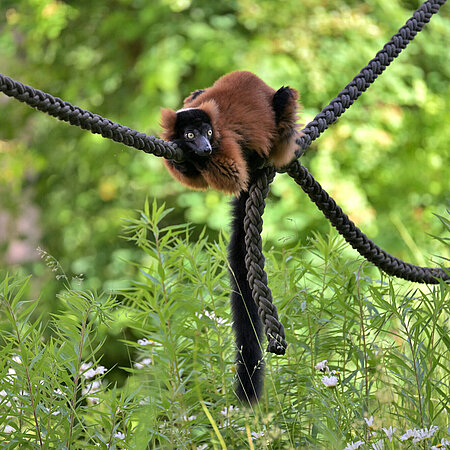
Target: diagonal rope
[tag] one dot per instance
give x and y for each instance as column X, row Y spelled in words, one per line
column 88, row 121
column 368, row 74
column 357, row 239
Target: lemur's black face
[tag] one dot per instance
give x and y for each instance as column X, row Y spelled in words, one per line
column 193, row 131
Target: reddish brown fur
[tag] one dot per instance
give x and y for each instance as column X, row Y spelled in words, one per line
column 239, row 105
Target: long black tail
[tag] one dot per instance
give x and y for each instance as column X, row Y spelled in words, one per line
column 247, row 325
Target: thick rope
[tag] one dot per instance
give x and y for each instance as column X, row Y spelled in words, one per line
column 357, row 239
column 254, row 261
column 88, row 121
column 368, row 74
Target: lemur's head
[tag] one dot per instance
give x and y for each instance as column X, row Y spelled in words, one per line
column 190, row 128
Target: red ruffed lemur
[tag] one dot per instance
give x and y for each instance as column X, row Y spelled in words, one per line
column 227, row 131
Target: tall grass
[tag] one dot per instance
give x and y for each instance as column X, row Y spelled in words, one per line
column 385, row 343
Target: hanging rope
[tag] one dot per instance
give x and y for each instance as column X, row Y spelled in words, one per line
column 254, row 261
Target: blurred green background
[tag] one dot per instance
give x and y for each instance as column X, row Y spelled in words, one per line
column 67, row 191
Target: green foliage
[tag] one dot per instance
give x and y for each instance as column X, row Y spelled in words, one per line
column 386, row 160
column 386, row 343
column 64, row 194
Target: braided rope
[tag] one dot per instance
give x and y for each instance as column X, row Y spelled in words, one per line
column 88, row 121
column 357, row 239
column 368, row 74
column 254, row 261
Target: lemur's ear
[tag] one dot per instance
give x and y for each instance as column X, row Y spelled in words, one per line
column 168, row 120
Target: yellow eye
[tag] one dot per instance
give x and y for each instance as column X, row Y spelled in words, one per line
column 190, row 135
column 209, row 132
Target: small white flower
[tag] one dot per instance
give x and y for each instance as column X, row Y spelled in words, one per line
column 144, row 401
column 85, row 366
column 212, row 315
column 354, row 445
column 322, row 366
column 92, row 388
column 369, row 422
column 189, row 419
column 425, row 433
column 443, row 444
column 202, row 447
column 229, row 410
column 140, row 365
column 7, row 429
column 88, row 372
column 257, row 435
column 379, row 445
column 119, row 435
column 329, row 382
column 409, row 435
column 389, row 432
column 100, row 370
column 17, row 359
column 146, row 341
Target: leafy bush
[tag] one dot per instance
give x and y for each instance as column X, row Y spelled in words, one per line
column 385, row 343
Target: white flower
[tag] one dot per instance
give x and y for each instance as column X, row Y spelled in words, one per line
column 389, row 432
column 146, row 341
column 425, row 433
column 202, row 447
column 7, row 429
column 85, row 366
column 119, row 435
column 17, row 359
column 410, row 434
column 354, row 445
column 100, row 370
column 229, row 410
column 212, row 315
column 257, row 435
column 379, row 445
column 144, row 401
column 92, row 388
column 369, row 422
column 145, row 362
column 443, row 444
column 419, row 435
column 322, row 366
column 329, row 382
column 88, row 372
column 189, row 419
